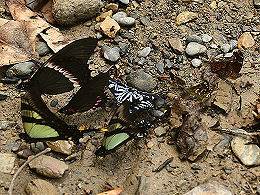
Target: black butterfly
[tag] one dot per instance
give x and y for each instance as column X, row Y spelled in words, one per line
column 138, row 100
column 63, row 72
column 123, row 127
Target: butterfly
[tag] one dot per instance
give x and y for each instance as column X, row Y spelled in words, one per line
column 139, row 100
column 230, row 67
column 200, row 92
column 64, row 72
column 36, row 126
column 123, row 127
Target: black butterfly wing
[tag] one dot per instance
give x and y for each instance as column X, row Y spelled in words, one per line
column 66, row 69
column 91, row 95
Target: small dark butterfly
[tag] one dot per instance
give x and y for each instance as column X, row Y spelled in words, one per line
column 200, row 92
column 229, row 67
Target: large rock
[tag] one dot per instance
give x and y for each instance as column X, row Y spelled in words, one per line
column 211, row 188
column 248, row 154
column 246, row 41
column 69, row 12
column 20, row 69
column 142, row 81
column 48, row 166
column 194, row 48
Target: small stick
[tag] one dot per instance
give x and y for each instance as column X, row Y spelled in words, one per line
column 10, row 191
column 238, row 131
column 163, row 164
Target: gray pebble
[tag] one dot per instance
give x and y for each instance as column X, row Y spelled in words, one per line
column 126, row 21
column 159, row 131
column 225, row 48
column 228, row 55
column 196, row 62
column 54, row 102
column 21, row 69
column 168, row 63
column 157, row 113
column 99, row 35
column 160, row 67
column 194, row 38
column 141, row 61
column 145, row 21
column 233, row 44
column 194, row 48
column 42, row 48
column 206, row 38
column 133, row 15
column 257, row 3
column 145, row 52
column 159, row 102
column 119, row 15
column 124, row 1
column 141, row 81
column 111, row 54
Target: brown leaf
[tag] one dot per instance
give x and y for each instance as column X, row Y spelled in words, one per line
column 52, row 35
column 192, row 139
column 17, row 41
column 115, row 191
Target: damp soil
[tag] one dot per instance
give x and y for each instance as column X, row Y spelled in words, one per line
column 137, row 160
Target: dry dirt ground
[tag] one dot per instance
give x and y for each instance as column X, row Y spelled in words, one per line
column 135, row 162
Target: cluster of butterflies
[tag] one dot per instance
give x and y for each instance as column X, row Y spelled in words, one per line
column 68, row 70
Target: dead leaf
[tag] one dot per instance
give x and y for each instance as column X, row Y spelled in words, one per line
column 115, row 191
column 192, row 139
column 20, row 12
column 17, row 41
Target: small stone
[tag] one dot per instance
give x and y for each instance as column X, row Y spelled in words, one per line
column 157, row 113
column 124, row 1
column 145, row 21
column 25, row 153
column 185, row 17
column 61, row 146
column 103, row 16
column 141, row 61
column 37, row 147
column 233, row 44
column 69, row 12
column 225, row 48
column 246, row 41
column 150, row 144
column 145, row 52
column 109, row 27
column 99, row 35
column 7, row 162
column 228, row 55
column 112, row 6
column 213, row 5
column 126, row 21
column 42, row 48
column 142, row 81
column 119, row 15
column 168, row 63
column 210, row 188
column 111, row 54
column 206, row 38
column 54, row 103
column 160, row 66
column 48, row 166
column 194, row 48
column 159, row 131
column 196, row 62
column 248, row 154
column 176, row 45
column 20, row 69
column 194, row 38
column 257, row 3
column 39, row 186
